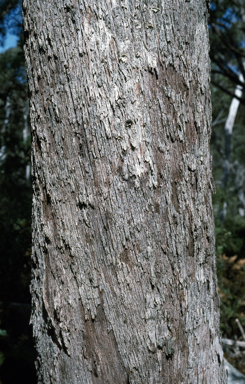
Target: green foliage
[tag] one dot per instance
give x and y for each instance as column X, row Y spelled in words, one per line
column 15, row 192
column 10, row 18
column 227, row 51
column 230, row 227
column 16, row 344
column 17, row 353
column 227, row 37
column 230, row 250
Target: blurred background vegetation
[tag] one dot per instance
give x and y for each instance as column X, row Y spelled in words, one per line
column 227, row 37
column 16, row 345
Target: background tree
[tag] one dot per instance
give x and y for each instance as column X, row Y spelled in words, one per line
column 124, row 284
column 10, row 19
column 227, row 44
column 227, row 54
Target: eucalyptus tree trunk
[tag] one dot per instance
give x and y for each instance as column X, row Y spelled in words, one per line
column 229, row 124
column 26, row 135
column 4, row 128
column 124, row 280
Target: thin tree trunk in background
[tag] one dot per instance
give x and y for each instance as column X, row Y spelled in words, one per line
column 124, row 282
column 228, row 132
column 239, row 180
column 3, row 129
column 26, row 135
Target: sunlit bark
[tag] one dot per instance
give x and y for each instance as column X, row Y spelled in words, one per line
column 124, row 279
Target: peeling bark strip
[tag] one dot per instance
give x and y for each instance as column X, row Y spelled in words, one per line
column 124, row 284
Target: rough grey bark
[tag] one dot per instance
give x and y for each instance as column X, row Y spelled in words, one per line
column 124, row 279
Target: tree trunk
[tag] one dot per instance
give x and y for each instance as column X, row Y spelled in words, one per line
column 26, row 135
column 3, row 130
column 228, row 132
column 124, row 281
